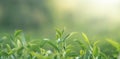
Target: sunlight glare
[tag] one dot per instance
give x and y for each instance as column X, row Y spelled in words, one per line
column 105, row 3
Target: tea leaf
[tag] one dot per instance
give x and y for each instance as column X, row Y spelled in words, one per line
column 85, row 38
column 17, row 33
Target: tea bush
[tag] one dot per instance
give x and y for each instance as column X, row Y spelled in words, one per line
column 17, row 46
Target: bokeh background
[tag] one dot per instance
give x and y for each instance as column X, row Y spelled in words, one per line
column 99, row 19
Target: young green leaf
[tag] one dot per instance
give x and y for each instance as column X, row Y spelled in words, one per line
column 69, row 35
column 86, row 38
column 58, row 33
column 114, row 43
column 17, row 33
column 96, row 51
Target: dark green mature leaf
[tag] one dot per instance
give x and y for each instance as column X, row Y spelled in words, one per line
column 72, row 54
column 53, row 45
column 81, row 44
column 103, row 55
column 3, row 53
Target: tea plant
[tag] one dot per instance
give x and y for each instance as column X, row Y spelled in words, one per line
column 17, row 46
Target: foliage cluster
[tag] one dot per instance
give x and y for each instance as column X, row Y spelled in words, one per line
column 18, row 46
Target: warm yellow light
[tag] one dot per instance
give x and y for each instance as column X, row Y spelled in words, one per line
column 66, row 4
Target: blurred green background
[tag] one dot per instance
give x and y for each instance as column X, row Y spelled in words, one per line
column 99, row 19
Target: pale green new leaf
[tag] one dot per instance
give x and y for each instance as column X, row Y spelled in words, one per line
column 86, row 38
column 114, row 43
column 69, row 35
column 58, row 33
